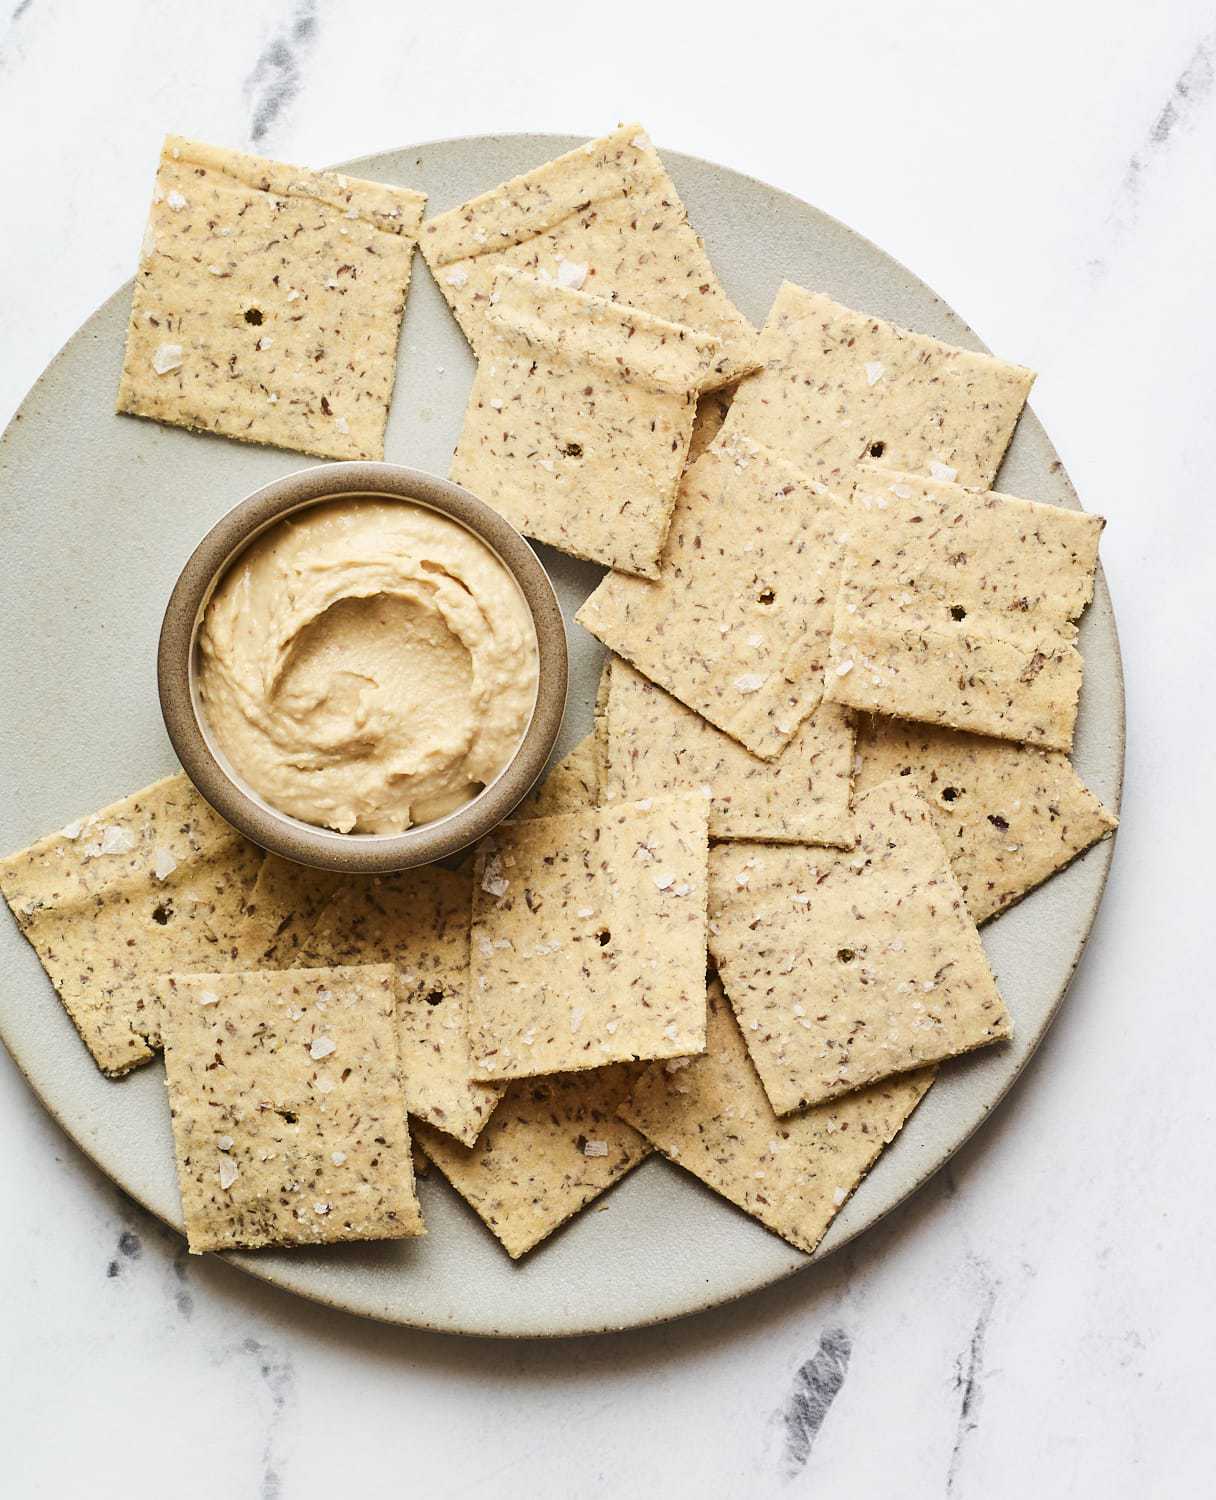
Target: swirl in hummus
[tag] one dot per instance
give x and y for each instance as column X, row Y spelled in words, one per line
column 367, row 665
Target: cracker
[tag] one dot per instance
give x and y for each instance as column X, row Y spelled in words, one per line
column 589, row 939
column 268, row 302
column 288, row 1113
column 1009, row 816
column 553, row 1145
column 280, row 911
column 656, row 745
column 605, row 217
column 417, row 920
column 838, row 387
column 579, row 420
column 738, row 625
column 153, row 882
column 712, row 407
column 713, row 1119
column 959, row 608
column 569, row 786
column 844, row 969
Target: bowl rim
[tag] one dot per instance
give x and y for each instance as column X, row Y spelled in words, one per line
column 280, row 833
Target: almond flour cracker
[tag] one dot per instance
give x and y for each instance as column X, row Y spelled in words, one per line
column 738, row 624
column 579, row 420
column 1009, row 816
column 288, row 1112
column 838, row 387
column 711, row 1117
column 656, row 745
column 154, row 882
column 552, row 1146
column 844, row 969
column 280, row 911
column 569, row 786
column 268, row 302
column 589, row 939
column 957, row 607
column 605, row 218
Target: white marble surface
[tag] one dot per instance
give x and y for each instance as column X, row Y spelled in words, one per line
column 1037, row 1321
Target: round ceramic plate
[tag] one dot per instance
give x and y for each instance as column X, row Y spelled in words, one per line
column 101, row 511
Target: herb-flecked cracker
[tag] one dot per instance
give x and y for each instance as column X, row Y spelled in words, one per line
column 657, row 745
column 710, row 1115
column 417, row 920
column 959, row 608
column 846, row 968
column 569, row 786
column 589, row 939
column 552, row 1146
column 579, row 420
column 838, row 387
column 154, row 882
column 605, row 218
column 268, row 302
column 280, row 911
column 1009, row 816
column 738, row 624
column 288, row 1112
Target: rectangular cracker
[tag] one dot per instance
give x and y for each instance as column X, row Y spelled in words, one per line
column 153, row 882
column 268, row 302
column 553, row 1145
column 280, row 911
column 1009, row 816
column 569, row 786
column 417, row 920
column 657, row 745
column 589, row 939
column 288, row 1113
column 605, row 217
column 957, row 607
column 579, row 420
column 738, row 625
column 846, row 968
column 713, row 1119
column 838, row 387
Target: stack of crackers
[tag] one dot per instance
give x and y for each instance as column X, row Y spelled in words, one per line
column 738, row 923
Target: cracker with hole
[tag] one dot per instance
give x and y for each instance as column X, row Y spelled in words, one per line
column 417, row 920
column 847, row 968
column 589, row 939
column 1009, row 816
column 605, row 218
column 579, row 420
column 738, row 624
column 711, row 1116
column 268, row 302
column 657, row 745
column 838, row 387
column 151, row 883
column 553, row 1146
column 280, row 912
column 288, row 1111
column 569, row 786
column 959, row 607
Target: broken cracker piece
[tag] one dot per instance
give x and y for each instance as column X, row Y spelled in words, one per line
column 569, row 786
column 280, row 911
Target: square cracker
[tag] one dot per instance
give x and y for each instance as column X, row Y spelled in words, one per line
column 417, row 920
column 844, row 969
column 713, row 1119
column 1009, row 816
column 958, row 608
column 738, row 624
column 552, row 1146
column 280, row 911
column 839, row 386
column 589, row 939
column 153, row 882
column 579, row 420
column 569, row 786
column 605, row 217
column 288, row 1113
column 656, row 745
column 268, row 302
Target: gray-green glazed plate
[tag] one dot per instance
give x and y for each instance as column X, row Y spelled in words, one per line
column 99, row 514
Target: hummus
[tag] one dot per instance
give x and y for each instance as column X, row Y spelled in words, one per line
column 368, row 665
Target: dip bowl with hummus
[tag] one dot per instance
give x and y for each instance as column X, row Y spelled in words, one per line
column 363, row 667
